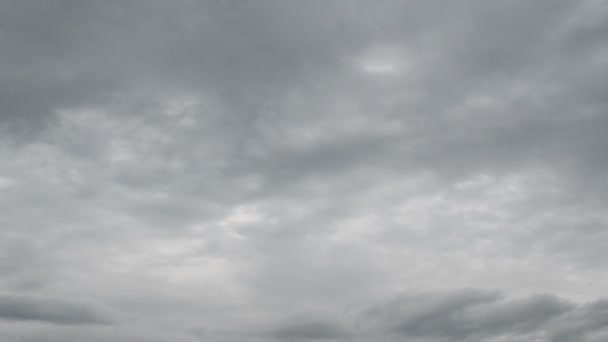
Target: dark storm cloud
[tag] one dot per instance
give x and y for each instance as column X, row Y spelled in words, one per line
column 267, row 170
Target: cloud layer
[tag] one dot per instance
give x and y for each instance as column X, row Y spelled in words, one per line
column 303, row 170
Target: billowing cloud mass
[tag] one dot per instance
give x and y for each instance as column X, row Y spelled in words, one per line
column 304, row 170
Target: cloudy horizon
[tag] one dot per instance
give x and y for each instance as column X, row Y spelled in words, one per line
column 304, row 170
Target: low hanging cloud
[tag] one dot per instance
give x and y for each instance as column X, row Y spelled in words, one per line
column 461, row 315
column 53, row 310
column 474, row 315
column 303, row 170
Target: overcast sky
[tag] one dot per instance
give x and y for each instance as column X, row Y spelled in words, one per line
column 310, row 170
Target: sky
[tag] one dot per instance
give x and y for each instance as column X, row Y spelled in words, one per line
column 304, row 171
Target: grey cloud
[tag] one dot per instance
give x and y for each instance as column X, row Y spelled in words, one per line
column 474, row 315
column 462, row 315
column 310, row 329
column 264, row 170
column 67, row 55
column 90, row 333
column 587, row 321
column 53, row 310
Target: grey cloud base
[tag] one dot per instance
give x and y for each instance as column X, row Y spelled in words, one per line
column 303, row 170
column 56, row 311
column 462, row 315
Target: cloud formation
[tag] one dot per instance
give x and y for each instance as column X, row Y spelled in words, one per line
column 303, row 170
column 58, row 311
